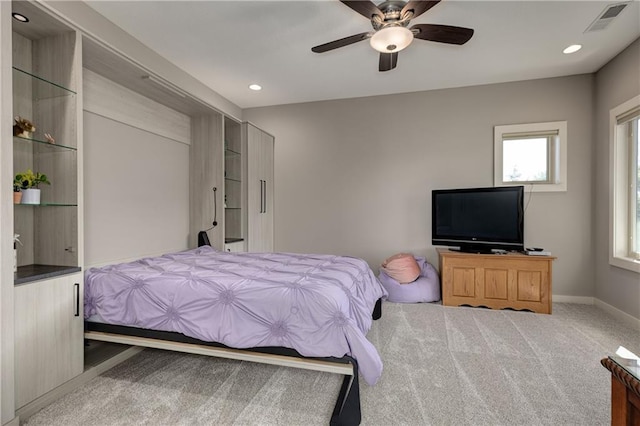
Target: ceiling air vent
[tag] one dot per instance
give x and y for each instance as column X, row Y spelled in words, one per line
column 606, row 17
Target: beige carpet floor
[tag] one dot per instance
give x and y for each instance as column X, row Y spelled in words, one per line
column 442, row 366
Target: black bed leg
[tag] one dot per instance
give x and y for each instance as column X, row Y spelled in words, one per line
column 377, row 310
column 347, row 409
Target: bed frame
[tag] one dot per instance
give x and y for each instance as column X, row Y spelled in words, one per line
column 347, row 409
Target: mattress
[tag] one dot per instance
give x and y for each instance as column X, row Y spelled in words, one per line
column 318, row 305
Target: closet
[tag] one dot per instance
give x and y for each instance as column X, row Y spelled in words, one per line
column 260, row 187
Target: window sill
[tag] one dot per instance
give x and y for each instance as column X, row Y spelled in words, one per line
column 537, row 187
column 625, row 263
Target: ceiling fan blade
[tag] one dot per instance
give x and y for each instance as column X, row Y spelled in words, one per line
column 388, row 61
column 365, row 8
column 442, row 33
column 340, row 43
column 418, row 7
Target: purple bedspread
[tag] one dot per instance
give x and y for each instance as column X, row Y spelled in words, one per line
column 319, row 305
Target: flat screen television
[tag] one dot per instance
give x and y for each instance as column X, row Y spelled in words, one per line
column 478, row 220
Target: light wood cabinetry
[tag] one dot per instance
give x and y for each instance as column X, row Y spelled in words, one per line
column 234, row 178
column 206, row 164
column 497, row 281
column 237, row 159
column 48, row 335
column 260, row 187
column 47, row 90
column 217, row 161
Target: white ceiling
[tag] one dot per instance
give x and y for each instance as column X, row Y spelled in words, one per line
column 229, row 44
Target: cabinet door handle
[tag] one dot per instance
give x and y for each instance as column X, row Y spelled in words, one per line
column 76, row 291
column 265, row 196
column 261, row 196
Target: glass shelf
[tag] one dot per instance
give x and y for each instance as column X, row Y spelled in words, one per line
column 231, row 153
column 229, row 240
column 45, row 89
column 232, row 179
column 48, row 205
column 233, row 208
column 53, row 146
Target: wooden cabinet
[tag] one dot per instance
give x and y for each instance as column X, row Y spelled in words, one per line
column 498, row 281
column 48, row 335
column 47, row 90
column 260, row 187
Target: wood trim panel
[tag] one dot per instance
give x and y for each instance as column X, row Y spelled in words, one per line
column 206, row 165
column 281, row 360
column 108, row 99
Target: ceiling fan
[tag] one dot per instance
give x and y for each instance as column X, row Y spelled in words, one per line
column 391, row 32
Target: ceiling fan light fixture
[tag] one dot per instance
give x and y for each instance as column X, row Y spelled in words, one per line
column 391, row 39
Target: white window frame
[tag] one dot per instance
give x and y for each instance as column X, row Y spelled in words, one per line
column 620, row 184
column 557, row 153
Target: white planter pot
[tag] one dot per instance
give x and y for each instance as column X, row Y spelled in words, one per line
column 30, row 196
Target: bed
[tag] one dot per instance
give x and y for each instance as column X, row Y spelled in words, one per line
column 298, row 310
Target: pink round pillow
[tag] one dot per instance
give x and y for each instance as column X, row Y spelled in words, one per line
column 402, row 267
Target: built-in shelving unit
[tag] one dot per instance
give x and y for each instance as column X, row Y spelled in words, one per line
column 49, row 230
column 48, row 285
column 233, row 185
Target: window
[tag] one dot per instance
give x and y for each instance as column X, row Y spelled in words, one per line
column 531, row 154
column 624, row 226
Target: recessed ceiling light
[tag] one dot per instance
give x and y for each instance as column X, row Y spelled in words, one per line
column 255, row 87
column 19, row 17
column 572, row 49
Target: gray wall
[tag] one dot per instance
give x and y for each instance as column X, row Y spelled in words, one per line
column 616, row 82
column 355, row 176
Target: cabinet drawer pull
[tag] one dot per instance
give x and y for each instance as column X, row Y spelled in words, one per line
column 76, row 291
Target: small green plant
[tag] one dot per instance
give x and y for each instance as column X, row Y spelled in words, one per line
column 28, row 180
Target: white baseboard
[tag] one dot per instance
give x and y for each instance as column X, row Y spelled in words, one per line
column 581, row 300
column 621, row 316
column 13, row 422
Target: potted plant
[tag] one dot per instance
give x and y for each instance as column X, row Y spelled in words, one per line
column 28, row 183
column 17, row 190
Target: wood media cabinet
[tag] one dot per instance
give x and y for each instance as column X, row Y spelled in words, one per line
column 497, row 281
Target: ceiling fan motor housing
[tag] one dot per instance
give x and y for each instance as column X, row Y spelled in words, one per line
column 392, row 11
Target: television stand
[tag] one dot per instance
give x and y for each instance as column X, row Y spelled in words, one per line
column 497, row 281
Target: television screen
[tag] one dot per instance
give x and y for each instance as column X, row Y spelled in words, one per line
column 479, row 219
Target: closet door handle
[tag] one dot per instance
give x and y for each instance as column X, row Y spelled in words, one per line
column 76, row 292
column 261, row 196
column 265, row 196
